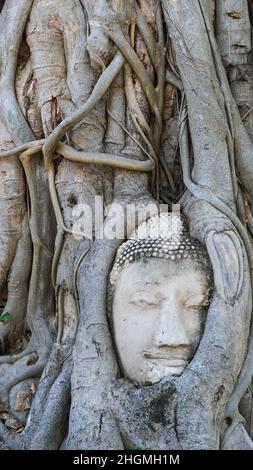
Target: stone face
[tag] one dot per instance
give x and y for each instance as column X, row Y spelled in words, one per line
column 158, row 317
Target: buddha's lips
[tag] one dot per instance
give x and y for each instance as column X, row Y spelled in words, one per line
column 172, row 361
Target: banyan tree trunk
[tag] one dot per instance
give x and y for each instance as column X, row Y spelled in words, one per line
column 105, row 104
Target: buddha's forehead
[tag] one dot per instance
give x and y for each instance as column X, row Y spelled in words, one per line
column 157, row 271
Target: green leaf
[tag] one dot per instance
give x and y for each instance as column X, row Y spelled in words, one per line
column 135, row 447
column 5, row 317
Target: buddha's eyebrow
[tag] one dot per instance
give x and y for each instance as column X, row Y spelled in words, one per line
column 202, row 289
column 146, row 283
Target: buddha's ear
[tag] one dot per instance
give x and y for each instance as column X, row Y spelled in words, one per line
column 226, row 254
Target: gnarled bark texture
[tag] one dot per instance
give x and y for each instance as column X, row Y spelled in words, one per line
column 137, row 102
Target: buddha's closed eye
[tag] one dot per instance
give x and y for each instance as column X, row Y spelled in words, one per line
column 196, row 301
column 144, row 299
column 147, row 300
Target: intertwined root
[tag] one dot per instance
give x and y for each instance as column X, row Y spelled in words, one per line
column 112, row 79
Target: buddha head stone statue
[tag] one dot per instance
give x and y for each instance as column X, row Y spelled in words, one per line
column 159, row 292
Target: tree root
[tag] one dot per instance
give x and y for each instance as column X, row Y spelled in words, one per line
column 19, row 372
column 105, row 159
column 8, row 440
column 60, row 311
column 11, row 359
column 99, row 91
column 54, row 422
column 119, row 39
column 202, row 193
column 140, row 122
column 15, row 16
column 77, row 266
column 148, row 37
column 112, row 160
column 50, row 406
column 18, row 288
column 160, row 78
column 242, row 143
column 35, row 145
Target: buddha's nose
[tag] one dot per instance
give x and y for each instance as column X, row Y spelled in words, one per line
column 170, row 331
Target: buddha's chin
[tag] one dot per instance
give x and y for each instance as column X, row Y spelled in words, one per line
column 156, row 374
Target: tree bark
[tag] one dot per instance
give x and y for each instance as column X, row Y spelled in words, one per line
column 137, row 102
